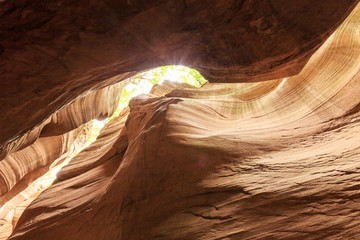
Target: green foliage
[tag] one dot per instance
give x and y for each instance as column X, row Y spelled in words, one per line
column 143, row 82
column 175, row 73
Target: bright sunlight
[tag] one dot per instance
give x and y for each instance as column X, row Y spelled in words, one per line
column 139, row 84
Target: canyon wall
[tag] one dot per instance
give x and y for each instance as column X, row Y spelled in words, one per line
column 50, row 144
column 267, row 150
column 276, row 159
column 52, row 53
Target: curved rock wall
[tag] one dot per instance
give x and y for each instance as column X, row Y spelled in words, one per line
column 52, row 142
column 55, row 136
column 97, row 105
column 53, row 52
column 271, row 160
column 42, row 153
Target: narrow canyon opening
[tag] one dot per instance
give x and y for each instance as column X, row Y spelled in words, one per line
column 266, row 147
column 142, row 83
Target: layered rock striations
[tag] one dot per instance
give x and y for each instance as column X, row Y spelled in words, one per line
column 56, row 135
column 56, row 139
column 54, row 52
column 268, row 160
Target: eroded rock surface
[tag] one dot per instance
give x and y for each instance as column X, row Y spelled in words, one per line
column 54, row 52
column 47, row 146
column 270, row 160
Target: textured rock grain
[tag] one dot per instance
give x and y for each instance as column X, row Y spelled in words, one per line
column 271, row 160
column 273, row 157
column 54, row 52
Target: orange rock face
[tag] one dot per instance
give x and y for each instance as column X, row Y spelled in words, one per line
column 275, row 159
column 52, row 53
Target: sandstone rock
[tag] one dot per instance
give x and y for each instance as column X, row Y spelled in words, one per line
column 273, row 157
column 217, row 163
column 55, row 52
column 55, row 140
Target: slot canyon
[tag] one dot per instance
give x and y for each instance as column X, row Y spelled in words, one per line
column 268, row 148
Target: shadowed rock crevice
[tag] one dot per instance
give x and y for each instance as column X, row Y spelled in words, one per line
column 56, row 52
column 268, row 149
